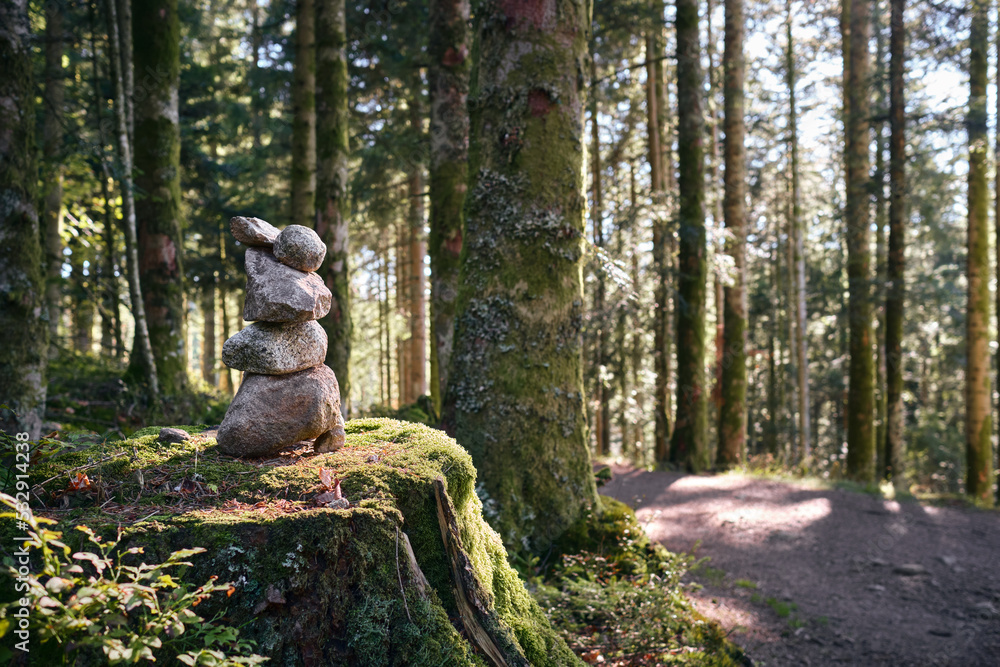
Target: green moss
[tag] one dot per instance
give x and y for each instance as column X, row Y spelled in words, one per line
column 313, row 584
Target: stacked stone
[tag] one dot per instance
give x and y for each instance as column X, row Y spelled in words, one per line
column 288, row 394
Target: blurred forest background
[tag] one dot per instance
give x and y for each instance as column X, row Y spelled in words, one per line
column 334, row 116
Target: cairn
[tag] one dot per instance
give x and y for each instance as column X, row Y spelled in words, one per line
column 288, row 395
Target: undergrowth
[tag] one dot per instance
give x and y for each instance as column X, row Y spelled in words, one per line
column 619, row 601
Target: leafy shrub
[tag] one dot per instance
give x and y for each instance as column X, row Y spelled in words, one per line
column 122, row 613
column 609, row 615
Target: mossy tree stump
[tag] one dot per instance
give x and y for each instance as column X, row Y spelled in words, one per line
column 409, row 574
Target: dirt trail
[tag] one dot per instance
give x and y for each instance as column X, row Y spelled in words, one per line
column 863, row 581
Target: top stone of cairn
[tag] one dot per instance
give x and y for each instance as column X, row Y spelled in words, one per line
column 253, row 231
column 300, row 248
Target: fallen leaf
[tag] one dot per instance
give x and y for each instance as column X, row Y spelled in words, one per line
column 81, row 483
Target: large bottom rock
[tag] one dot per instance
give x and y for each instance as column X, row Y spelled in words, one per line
column 273, row 411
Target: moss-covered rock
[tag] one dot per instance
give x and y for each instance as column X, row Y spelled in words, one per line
column 313, row 585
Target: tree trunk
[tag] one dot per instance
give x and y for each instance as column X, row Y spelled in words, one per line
column 895, row 271
column 861, row 398
column 142, row 364
column 23, row 356
column 417, row 357
column 732, row 407
column 52, row 133
column 878, row 296
column 332, row 205
column 516, row 395
column 208, row 341
column 304, row 137
column 602, row 430
column 689, row 446
column 124, row 8
column 798, row 241
column 111, row 335
column 403, row 310
column 156, row 35
column 655, row 99
column 978, row 418
column 448, row 79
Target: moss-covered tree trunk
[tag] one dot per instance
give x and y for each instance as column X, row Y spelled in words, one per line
column 408, row 574
column 689, row 446
column 798, row 242
column 304, row 137
column 895, row 270
column 156, row 46
column 24, row 352
column 448, row 79
column 516, row 396
column 978, row 421
column 733, row 391
column 52, row 134
column 861, row 391
column 332, row 205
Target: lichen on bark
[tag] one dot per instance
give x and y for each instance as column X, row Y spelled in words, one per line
column 515, row 398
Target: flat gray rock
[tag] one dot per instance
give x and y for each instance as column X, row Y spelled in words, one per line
column 910, row 569
column 272, row 411
column 279, row 293
column 274, row 348
column 300, row 248
column 253, row 231
column 173, row 435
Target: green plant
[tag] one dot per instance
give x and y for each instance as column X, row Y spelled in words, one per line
column 603, row 609
column 745, row 583
column 126, row 612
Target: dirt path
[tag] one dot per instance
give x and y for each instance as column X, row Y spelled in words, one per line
column 806, row 576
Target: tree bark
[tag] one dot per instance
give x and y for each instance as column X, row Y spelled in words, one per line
column 516, row 395
column 655, row 99
column 602, row 419
column 978, row 418
column 303, row 179
column 332, row 204
column 689, row 446
column 417, row 358
column 895, row 271
column 732, row 408
column 798, row 241
column 208, row 340
column 52, row 146
column 124, row 8
column 24, row 353
column 448, row 79
column 156, row 44
column 141, row 362
column 861, row 398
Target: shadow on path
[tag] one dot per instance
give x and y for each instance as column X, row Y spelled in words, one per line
column 806, row 576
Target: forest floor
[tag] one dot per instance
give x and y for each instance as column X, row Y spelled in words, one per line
column 803, row 575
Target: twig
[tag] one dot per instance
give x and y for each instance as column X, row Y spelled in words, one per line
column 145, row 517
column 79, row 468
column 400, row 577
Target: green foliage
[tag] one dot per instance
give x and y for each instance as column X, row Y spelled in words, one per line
column 631, row 619
column 128, row 613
